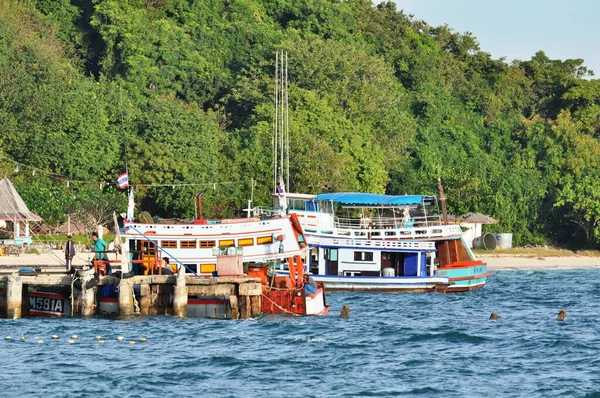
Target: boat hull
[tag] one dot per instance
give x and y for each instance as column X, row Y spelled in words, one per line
column 383, row 284
column 465, row 276
column 48, row 304
column 459, row 277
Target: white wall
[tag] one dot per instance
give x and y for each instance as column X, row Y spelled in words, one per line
column 473, row 231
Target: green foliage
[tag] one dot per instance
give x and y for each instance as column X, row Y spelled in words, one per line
column 181, row 93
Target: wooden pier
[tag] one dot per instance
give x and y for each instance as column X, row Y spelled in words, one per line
column 238, row 297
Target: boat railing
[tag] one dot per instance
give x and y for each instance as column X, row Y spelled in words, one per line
column 387, row 222
column 260, row 211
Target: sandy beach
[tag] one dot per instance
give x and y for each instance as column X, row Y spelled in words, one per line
column 495, row 262
column 507, row 262
column 55, row 258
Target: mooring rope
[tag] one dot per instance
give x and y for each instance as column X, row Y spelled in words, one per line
column 135, row 302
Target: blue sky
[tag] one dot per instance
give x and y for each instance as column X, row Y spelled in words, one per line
column 517, row 29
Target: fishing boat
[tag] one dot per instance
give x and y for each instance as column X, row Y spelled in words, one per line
column 372, row 242
column 365, row 241
column 213, row 248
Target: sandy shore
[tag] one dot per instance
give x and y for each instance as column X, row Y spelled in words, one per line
column 505, row 262
column 495, row 262
column 53, row 259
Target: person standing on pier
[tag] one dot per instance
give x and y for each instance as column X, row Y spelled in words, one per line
column 69, row 253
column 100, row 248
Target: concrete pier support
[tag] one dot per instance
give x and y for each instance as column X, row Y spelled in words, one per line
column 180, row 296
column 255, row 306
column 88, row 305
column 88, row 294
column 145, row 299
column 245, row 310
column 250, row 299
column 153, row 308
column 233, row 304
column 125, row 297
column 14, row 297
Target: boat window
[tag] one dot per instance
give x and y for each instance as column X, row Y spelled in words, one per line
column 363, row 256
column 331, row 254
column 375, row 233
column 390, row 233
column 169, row 244
column 191, row 268
column 245, row 242
column 297, row 204
column 208, row 268
column 324, row 206
column 207, row 243
column 264, row 240
column 226, row 243
column 188, row 244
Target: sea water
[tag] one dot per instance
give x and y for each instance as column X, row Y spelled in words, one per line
column 391, row 345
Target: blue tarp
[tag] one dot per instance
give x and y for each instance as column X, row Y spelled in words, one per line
column 372, row 199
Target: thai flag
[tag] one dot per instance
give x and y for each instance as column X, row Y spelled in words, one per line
column 123, row 180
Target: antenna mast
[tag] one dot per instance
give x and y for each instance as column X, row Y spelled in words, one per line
column 443, row 202
column 275, row 138
column 281, row 136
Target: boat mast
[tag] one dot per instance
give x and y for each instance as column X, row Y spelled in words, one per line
column 281, row 141
column 281, row 149
column 275, row 138
column 287, row 124
column 443, row 202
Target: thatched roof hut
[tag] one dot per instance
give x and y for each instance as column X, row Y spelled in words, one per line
column 12, row 206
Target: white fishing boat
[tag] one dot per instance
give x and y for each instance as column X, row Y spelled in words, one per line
column 363, row 241
column 213, row 248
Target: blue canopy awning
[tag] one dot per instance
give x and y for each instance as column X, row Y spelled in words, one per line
column 373, row 199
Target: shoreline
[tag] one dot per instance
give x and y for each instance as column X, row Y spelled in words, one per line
column 500, row 262
column 497, row 262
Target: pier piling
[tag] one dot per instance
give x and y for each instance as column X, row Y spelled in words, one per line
column 145, row 299
column 180, row 296
column 88, row 293
column 125, row 297
column 14, row 296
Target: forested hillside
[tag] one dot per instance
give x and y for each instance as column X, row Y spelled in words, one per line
column 379, row 102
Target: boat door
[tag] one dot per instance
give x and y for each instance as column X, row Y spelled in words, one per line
column 390, row 260
column 147, row 257
column 331, row 261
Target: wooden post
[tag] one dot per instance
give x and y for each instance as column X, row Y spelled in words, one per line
column 180, row 295
column 125, row 298
column 14, row 299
